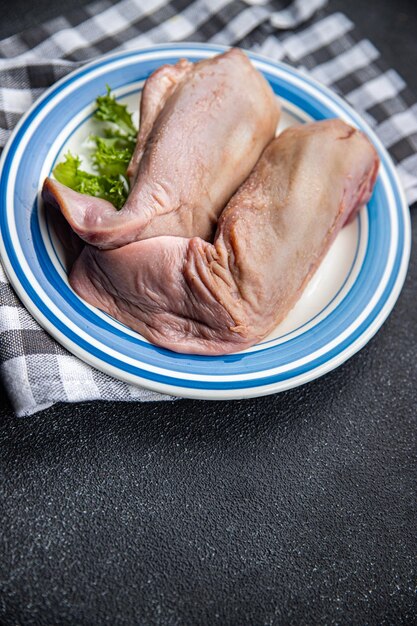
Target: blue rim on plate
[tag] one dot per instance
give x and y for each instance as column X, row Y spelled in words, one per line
column 275, row 365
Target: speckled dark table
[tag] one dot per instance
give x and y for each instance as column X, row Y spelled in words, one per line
column 298, row 508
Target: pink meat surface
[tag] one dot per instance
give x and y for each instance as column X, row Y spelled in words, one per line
column 195, row 297
column 198, row 141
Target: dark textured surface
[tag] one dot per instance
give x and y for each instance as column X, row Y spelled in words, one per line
column 298, row 508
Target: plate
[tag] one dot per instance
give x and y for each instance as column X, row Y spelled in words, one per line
column 344, row 305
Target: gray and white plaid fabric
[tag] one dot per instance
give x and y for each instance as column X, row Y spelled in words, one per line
column 38, row 372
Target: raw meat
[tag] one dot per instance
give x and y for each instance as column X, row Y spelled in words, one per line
column 199, row 139
column 192, row 296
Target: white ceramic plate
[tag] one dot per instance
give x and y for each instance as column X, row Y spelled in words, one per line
column 344, row 305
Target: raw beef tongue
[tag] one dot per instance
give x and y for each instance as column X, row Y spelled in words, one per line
column 192, row 296
column 203, row 127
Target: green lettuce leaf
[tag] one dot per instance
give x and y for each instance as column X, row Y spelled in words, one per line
column 111, row 188
column 109, row 110
column 109, row 158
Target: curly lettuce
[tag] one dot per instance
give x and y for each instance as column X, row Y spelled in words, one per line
column 113, row 149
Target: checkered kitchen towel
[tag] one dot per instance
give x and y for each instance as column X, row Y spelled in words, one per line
column 35, row 370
